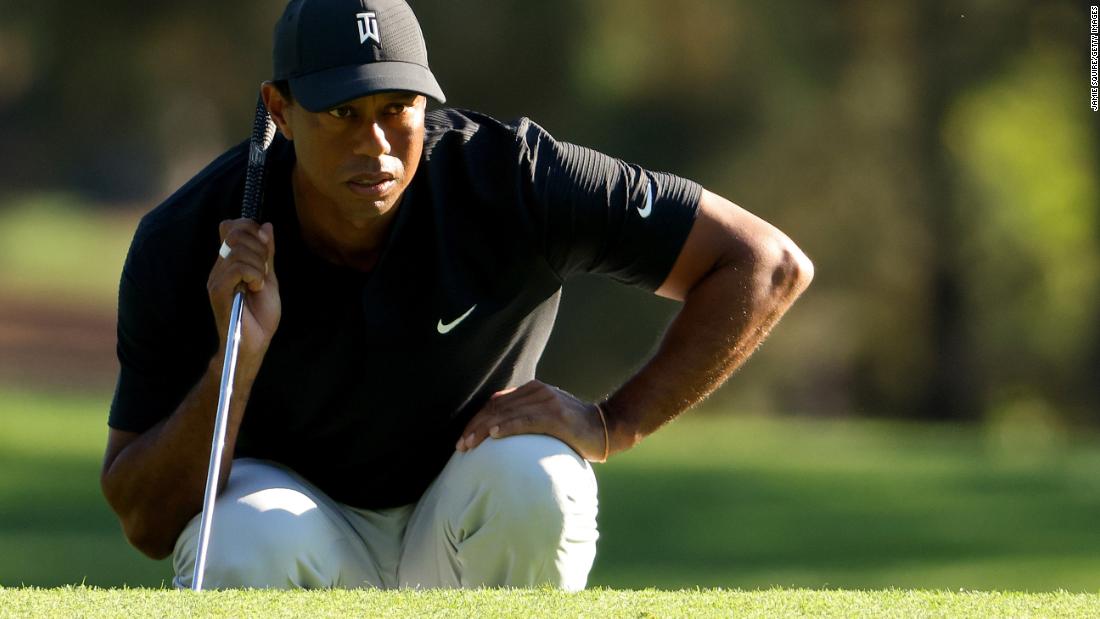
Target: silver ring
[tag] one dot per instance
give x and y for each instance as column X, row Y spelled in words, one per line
column 225, row 250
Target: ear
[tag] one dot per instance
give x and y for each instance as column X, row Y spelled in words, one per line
column 279, row 107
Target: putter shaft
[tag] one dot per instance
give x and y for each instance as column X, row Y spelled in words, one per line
column 217, row 446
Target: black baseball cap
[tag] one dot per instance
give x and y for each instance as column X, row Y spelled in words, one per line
column 332, row 51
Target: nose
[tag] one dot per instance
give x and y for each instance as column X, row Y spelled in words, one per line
column 371, row 140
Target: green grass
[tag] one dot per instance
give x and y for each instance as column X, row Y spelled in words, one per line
column 55, row 245
column 54, row 526
column 85, row 602
column 711, row 501
column 741, row 502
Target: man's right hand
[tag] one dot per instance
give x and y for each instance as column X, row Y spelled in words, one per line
column 251, row 263
column 154, row 479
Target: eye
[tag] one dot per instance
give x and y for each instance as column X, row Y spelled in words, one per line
column 343, row 111
column 396, row 108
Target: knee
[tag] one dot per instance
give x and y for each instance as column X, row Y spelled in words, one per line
column 263, row 545
column 538, row 481
column 523, row 513
column 261, row 540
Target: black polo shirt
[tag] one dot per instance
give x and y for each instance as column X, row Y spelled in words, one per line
column 371, row 377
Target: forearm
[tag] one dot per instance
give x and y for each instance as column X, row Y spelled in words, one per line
column 725, row 317
column 155, row 483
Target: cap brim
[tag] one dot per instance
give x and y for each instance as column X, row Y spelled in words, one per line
column 325, row 90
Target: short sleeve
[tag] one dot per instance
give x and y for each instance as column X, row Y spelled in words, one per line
column 161, row 353
column 602, row 215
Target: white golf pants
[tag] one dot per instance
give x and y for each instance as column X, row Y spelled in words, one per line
column 514, row 512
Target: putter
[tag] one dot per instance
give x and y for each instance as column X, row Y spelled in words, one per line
column 263, row 132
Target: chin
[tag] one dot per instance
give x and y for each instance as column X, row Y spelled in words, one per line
column 367, row 211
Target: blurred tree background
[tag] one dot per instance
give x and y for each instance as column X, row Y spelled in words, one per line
column 937, row 160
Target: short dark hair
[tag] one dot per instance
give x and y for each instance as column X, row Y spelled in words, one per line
column 283, row 86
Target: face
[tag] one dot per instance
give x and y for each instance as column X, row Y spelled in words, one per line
column 354, row 161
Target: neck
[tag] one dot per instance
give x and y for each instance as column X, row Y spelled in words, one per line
column 355, row 243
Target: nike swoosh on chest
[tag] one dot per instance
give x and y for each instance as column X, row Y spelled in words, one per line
column 445, row 328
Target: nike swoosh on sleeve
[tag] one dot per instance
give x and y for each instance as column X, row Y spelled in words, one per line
column 444, row 329
column 644, row 212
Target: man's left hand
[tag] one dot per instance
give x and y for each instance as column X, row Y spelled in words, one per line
column 538, row 408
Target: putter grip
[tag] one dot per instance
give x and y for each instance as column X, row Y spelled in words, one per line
column 263, row 132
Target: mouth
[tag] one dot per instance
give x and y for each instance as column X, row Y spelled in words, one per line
column 372, row 185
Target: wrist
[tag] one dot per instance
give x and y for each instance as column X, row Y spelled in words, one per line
column 247, row 365
column 621, row 434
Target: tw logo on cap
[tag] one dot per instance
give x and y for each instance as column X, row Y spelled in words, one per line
column 368, row 28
